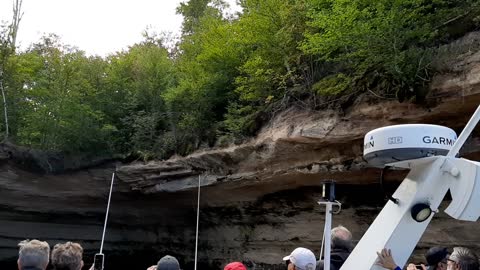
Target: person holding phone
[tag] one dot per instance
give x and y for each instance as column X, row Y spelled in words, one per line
column 437, row 258
column 416, row 266
column 385, row 260
column 98, row 261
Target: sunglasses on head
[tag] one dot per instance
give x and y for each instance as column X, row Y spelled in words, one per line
column 451, row 260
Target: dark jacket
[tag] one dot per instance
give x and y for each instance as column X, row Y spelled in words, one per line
column 337, row 257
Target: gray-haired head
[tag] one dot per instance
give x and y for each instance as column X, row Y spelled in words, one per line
column 67, row 256
column 465, row 258
column 341, row 237
column 33, row 254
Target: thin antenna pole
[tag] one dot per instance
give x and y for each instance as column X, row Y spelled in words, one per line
column 327, row 235
column 198, row 219
column 106, row 215
column 323, row 242
column 465, row 133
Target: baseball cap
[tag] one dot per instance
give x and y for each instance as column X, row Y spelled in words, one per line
column 235, row 266
column 168, row 263
column 302, row 258
column 435, row 255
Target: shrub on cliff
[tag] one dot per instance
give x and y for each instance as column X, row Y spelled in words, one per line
column 383, row 45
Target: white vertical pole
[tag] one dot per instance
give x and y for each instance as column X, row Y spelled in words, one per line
column 106, row 215
column 465, row 133
column 323, row 242
column 328, row 227
column 198, row 219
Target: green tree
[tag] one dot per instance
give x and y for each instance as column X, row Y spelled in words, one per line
column 194, row 10
column 269, row 33
column 379, row 44
column 8, row 42
column 59, row 113
column 136, row 80
column 206, row 66
column 225, row 77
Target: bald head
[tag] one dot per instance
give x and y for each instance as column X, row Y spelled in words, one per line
column 341, row 238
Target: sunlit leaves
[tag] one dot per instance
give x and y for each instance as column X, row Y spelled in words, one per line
column 390, row 38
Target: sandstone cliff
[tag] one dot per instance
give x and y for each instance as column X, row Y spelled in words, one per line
column 258, row 199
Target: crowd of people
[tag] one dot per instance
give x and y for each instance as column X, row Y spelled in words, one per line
column 36, row 255
column 437, row 258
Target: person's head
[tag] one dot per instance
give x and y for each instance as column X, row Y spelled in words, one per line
column 437, row 258
column 301, row 259
column 168, row 263
column 235, row 266
column 33, row 255
column 462, row 259
column 67, row 256
column 341, row 237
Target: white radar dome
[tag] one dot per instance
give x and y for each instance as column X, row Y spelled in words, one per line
column 402, row 142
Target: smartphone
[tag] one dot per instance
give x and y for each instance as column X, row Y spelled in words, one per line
column 98, row 261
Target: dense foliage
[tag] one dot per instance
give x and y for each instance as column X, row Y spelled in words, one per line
column 226, row 76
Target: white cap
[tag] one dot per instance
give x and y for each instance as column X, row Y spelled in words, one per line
column 302, row 258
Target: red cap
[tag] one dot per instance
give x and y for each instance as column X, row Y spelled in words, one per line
column 235, row 266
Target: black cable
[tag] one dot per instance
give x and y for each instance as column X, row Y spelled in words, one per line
column 388, row 196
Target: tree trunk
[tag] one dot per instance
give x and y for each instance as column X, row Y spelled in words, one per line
column 4, row 104
column 12, row 41
column 17, row 17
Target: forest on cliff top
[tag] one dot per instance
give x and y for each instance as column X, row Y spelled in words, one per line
column 225, row 76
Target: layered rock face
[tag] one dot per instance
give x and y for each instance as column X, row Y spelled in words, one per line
column 258, row 199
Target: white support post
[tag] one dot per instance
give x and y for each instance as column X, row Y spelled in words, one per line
column 198, row 219
column 465, row 133
column 428, row 181
column 106, row 214
column 327, row 232
column 328, row 228
column 394, row 228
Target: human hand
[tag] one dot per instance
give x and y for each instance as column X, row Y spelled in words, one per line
column 153, row 267
column 385, row 259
